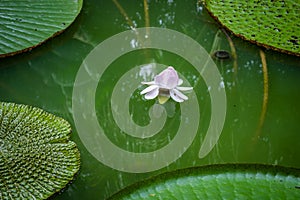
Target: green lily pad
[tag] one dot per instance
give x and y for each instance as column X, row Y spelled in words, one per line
column 273, row 24
column 219, row 182
column 25, row 24
column 36, row 157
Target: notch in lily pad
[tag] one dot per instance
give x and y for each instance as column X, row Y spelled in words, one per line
column 271, row 24
column 37, row 159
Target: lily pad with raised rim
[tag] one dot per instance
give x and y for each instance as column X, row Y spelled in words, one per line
column 25, row 24
column 36, row 157
column 228, row 181
column 273, row 24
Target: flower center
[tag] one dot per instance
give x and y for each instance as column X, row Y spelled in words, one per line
column 164, row 92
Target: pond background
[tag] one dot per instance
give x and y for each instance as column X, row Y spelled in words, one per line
column 44, row 78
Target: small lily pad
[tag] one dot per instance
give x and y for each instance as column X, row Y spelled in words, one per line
column 36, row 157
column 25, row 24
column 229, row 181
column 273, row 24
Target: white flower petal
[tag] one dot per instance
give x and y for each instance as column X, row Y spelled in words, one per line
column 180, row 95
column 148, row 83
column 180, row 81
column 149, row 89
column 175, row 97
column 184, row 88
column 152, row 94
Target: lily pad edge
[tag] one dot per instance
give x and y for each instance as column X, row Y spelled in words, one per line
column 247, row 39
column 76, row 152
column 206, row 170
column 80, row 4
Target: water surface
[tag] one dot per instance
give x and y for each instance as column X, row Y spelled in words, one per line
column 45, row 76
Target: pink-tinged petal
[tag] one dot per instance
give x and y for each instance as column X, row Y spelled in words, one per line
column 167, row 79
column 175, row 97
column 180, row 81
column 148, row 83
column 184, row 88
column 149, row 89
column 180, row 95
column 152, row 94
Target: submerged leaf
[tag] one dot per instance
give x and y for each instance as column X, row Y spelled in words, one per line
column 26, row 23
column 36, row 157
column 273, row 24
column 229, row 181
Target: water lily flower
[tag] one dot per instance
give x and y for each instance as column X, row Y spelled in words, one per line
column 166, row 85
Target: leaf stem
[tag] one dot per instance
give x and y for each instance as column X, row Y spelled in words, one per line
column 123, row 12
column 266, row 93
column 147, row 19
column 233, row 52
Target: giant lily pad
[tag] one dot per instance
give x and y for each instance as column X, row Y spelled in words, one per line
column 25, row 24
column 36, row 157
column 273, row 24
column 219, row 182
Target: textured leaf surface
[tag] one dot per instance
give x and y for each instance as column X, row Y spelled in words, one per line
column 36, row 157
column 219, row 182
column 274, row 24
column 26, row 23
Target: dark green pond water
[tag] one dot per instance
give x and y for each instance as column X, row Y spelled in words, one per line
column 255, row 130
